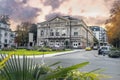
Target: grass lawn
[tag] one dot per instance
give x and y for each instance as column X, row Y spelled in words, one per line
column 28, row 52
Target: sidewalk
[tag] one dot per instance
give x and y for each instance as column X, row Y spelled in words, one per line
column 56, row 54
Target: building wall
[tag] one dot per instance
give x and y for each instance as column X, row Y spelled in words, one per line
column 6, row 36
column 100, row 34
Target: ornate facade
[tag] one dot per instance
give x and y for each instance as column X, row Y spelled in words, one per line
column 64, row 31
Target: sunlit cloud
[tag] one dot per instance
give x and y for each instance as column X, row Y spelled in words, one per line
column 93, row 12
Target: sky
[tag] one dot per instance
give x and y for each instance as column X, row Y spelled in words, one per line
column 93, row 12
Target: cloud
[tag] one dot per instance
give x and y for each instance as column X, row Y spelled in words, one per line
column 93, row 12
column 52, row 15
column 53, row 3
column 18, row 10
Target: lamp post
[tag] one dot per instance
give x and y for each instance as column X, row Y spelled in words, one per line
column 87, row 37
column 70, row 36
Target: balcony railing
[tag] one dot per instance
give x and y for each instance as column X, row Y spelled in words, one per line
column 72, row 36
column 57, row 37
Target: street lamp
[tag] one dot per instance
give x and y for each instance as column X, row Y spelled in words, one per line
column 70, row 35
column 87, row 37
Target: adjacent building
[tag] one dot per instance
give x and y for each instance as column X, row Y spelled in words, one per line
column 6, row 36
column 64, row 31
column 100, row 34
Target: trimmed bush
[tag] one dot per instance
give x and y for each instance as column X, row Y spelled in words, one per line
column 8, row 49
column 29, row 48
column 58, row 48
column 113, row 49
column 44, row 49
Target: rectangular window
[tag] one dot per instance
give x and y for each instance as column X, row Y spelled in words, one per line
column 5, row 41
column 75, row 33
column 5, row 33
column 42, row 33
column 1, row 35
column 51, row 34
column 75, row 28
column 64, row 32
column 57, row 34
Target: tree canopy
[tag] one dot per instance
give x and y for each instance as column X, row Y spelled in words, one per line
column 113, row 24
column 23, row 31
column 4, row 19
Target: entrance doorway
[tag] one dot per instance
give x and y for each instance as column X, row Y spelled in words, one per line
column 31, row 44
column 5, row 45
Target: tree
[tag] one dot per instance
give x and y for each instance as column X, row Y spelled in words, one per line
column 113, row 25
column 4, row 19
column 22, row 34
column 23, row 31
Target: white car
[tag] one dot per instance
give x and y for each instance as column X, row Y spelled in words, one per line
column 95, row 47
column 104, row 50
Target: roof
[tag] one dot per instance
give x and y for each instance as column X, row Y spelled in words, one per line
column 67, row 18
column 96, row 28
column 70, row 18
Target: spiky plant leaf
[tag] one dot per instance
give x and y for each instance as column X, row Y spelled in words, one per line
column 2, row 63
column 54, row 64
column 18, row 69
column 62, row 71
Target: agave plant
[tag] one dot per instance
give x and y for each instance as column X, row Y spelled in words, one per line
column 26, row 69
column 2, row 63
column 17, row 69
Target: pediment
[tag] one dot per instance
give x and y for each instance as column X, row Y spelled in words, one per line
column 58, row 19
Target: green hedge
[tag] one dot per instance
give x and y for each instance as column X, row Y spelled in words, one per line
column 8, row 49
column 44, row 49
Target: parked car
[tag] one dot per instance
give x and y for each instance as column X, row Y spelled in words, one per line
column 95, row 47
column 104, row 50
column 57, row 47
column 88, row 48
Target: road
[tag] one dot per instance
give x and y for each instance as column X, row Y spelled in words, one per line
column 111, row 65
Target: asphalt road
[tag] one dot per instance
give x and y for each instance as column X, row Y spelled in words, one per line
column 111, row 65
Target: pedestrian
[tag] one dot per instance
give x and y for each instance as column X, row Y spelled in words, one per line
column 99, row 51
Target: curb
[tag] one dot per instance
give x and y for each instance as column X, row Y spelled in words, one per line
column 55, row 54
column 51, row 55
